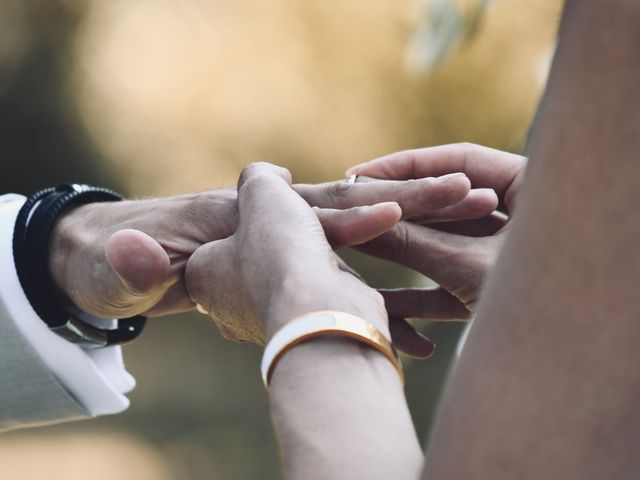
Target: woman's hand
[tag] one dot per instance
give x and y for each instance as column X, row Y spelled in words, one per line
column 456, row 255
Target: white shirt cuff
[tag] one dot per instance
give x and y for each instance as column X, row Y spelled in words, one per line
column 95, row 378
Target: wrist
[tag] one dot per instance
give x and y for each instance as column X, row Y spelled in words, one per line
column 65, row 240
column 32, row 247
column 299, row 296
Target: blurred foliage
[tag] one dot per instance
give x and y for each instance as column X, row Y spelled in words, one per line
column 446, row 24
column 158, row 97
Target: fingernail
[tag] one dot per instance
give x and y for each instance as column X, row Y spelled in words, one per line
column 395, row 204
column 201, row 309
column 450, row 176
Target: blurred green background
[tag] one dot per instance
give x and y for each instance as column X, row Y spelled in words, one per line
column 160, row 97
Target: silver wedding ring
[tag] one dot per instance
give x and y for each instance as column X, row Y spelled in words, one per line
column 352, row 179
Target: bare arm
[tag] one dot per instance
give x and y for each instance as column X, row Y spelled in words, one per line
column 548, row 384
column 338, row 406
column 339, row 412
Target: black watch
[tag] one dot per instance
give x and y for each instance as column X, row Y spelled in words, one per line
column 31, row 237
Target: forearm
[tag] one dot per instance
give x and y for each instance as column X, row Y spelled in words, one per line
column 339, row 412
column 547, row 386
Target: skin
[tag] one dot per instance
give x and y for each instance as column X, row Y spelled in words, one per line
column 357, row 382
column 547, row 384
column 125, row 258
column 456, row 255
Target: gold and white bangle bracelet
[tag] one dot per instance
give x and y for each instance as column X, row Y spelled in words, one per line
column 329, row 322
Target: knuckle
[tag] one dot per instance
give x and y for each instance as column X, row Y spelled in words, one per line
column 209, row 215
column 423, row 304
column 254, row 183
column 337, row 235
column 258, row 189
column 459, row 308
column 338, row 192
column 466, row 146
column 399, row 242
column 202, row 202
column 250, row 171
column 262, row 169
column 203, row 274
column 409, row 155
column 254, row 166
column 406, row 243
column 466, row 150
column 259, row 183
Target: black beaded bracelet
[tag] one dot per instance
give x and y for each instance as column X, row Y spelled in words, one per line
column 31, row 237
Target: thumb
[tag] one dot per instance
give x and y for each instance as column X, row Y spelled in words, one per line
column 140, row 263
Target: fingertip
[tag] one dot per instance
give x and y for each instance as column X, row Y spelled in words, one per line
column 358, row 225
column 408, row 340
column 458, row 184
column 430, row 350
column 488, row 196
column 422, row 349
column 380, row 217
column 392, row 209
column 480, row 202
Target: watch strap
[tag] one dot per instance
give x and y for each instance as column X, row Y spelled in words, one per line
column 32, row 235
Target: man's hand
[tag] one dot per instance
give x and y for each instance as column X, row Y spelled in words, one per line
column 125, row 258
column 457, row 255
